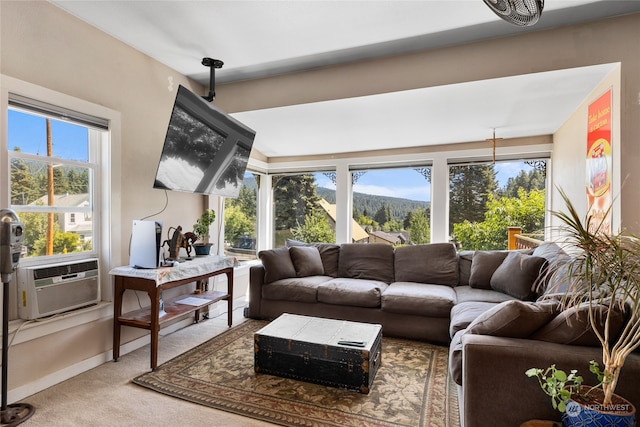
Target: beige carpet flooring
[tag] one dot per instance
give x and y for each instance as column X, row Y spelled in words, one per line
column 106, row 397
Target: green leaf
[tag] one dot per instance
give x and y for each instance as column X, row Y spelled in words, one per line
column 532, row 372
column 560, row 375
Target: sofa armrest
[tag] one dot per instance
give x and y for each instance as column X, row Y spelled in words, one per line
column 496, row 391
column 256, row 281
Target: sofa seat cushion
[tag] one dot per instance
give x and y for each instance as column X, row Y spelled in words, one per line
column 419, row 299
column 301, row 289
column 373, row 261
column 435, row 263
column 464, row 313
column 352, row 292
column 511, row 319
column 469, row 294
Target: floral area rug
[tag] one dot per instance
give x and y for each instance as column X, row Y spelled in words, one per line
column 411, row 387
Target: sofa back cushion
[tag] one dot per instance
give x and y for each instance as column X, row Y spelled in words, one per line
column 277, row 264
column 434, row 263
column 465, row 258
column 329, row 253
column 306, row 260
column 372, row 261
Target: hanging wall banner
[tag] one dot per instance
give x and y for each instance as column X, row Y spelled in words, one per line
column 599, row 162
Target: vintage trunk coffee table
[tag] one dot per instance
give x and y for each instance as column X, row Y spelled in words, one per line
column 335, row 353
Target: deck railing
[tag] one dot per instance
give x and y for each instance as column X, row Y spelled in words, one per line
column 516, row 240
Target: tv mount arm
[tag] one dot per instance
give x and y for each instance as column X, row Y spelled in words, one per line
column 212, row 64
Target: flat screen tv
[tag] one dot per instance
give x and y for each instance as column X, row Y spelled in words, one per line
column 205, row 150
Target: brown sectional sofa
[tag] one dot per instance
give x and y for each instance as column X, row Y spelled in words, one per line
column 486, row 305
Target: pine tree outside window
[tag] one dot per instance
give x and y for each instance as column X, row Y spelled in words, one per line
column 487, row 198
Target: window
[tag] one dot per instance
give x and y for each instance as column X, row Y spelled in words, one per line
column 485, row 199
column 54, row 171
column 303, row 210
column 392, row 206
column 240, row 220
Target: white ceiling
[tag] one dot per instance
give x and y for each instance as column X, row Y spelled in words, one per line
column 265, row 37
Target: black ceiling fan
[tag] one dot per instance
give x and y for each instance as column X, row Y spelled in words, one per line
column 523, row 13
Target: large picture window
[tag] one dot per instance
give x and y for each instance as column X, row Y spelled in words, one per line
column 485, row 199
column 54, row 171
column 302, row 209
column 392, row 206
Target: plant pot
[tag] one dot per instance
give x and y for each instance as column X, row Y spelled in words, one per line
column 202, row 248
column 591, row 412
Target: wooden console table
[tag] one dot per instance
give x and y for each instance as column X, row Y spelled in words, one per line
column 154, row 281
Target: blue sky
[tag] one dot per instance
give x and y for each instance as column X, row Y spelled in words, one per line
column 28, row 132
column 409, row 184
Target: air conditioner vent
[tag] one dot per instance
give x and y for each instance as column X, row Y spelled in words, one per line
column 64, row 269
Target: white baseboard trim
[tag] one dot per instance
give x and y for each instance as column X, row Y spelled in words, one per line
column 19, row 393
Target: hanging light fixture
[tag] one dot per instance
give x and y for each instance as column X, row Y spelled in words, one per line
column 493, row 142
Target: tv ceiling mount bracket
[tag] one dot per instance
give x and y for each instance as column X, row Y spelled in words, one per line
column 212, row 64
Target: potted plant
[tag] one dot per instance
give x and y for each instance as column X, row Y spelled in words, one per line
column 201, row 230
column 602, row 276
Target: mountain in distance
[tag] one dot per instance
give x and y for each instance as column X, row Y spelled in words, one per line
column 365, row 202
column 371, row 203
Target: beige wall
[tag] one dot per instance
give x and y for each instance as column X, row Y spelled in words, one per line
column 43, row 45
column 568, row 164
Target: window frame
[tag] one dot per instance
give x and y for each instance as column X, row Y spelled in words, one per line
column 108, row 185
column 94, row 137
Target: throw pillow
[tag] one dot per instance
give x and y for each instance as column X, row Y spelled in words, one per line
column 517, row 275
column 277, row 264
column 306, row 260
column 572, row 327
column 483, row 265
column 513, row 319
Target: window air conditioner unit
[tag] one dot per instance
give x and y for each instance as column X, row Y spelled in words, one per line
column 49, row 289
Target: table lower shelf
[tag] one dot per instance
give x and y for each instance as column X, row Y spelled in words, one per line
column 141, row 318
